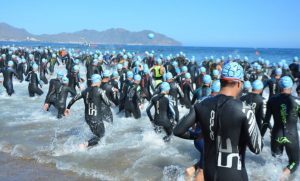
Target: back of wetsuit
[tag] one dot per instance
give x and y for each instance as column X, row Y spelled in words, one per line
column 255, row 101
column 110, row 94
column 54, row 86
column 224, row 148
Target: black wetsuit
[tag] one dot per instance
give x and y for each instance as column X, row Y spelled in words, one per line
column 33, row 88
column 226, row 136
column 74, row 80
column 273, row 85
column 123, row 93
column 21, row 71
column 255, row 101
column 8, row 73
column 54, row 86
column 146, row 85
column 97, row 110
column 284, row 133
column 53, row 61
column 132, row 101
column 61, row 99
column 175, row 93
column 43, row 72
column 163, row 113
column 110, row 93
column 187, row 89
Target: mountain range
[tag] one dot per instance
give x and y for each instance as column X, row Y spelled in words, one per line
column 116, row 36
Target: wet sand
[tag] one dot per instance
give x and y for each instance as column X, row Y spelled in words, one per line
column 16, row 169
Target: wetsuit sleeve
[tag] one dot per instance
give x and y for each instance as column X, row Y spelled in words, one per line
column 76, row 98
column 252, row 132
column 105, row 98
column 171, row 109
column 182, row 128
column 52, row 91
column 179, row 91
column 149, row 111
column 266, row 123
column 72, row 91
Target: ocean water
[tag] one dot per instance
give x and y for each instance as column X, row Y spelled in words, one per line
column 130, row 149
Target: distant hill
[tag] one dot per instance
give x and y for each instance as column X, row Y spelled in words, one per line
column 111, row 36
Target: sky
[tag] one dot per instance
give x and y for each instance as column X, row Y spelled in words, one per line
column 217, row 23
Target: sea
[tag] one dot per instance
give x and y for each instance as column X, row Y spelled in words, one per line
column 130, row 149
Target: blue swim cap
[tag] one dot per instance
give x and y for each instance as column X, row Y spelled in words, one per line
column 216, row 86
column 184, row 69
column 258, row 67
column 286, row 66
column 96, row 78
column 296, row 59
column 286, row 82
column 76, row 61
column 267, row 62
column 280, row 64
column 137, row 77
column 175, row 64
column 146, row 70
column 106, row 73
column 115, row 74
column 164, row 87
column 218, row 60
column 95, row 62
column 44, row 60
column 119, row 66
column 60, row 74
column 10, row 63
column 206, row 79
column 187, row 75
column 129, row 74
column 193, row 59
column 278, row 71
column 65, row 80
column 232, row 70
column 35, row 67
column 247, row 85
column 169, row 76
column 125, row 64
column 257, row 85
column 246, row 58
column 203, row 70
column 215, row 72
column 75, row 68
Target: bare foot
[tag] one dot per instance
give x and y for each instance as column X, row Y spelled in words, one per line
column 285, row 174
column 83, row 146
column 190, row 171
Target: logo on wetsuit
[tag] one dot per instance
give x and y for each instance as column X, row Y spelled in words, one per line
column 212, row 123
column 92, row 109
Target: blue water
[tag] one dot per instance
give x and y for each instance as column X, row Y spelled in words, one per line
column 271, row 54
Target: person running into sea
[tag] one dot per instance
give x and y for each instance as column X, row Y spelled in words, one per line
column 54, row 86
column 284, row 133
column 8, row 73
column 97, row 110
column 226, row 136
column 34, row 82
column 164, row 111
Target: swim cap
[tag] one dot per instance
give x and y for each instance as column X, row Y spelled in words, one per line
column 65, row 80
column 175, row 64
column 296, row 59
column 23, row 60
column 158, row 61
column 203, row 70
column 187, row 75
column 193, row 59
column 286, row 66
column 146, row 70
column 115, row 74
column 125, row 64
column 44, row 60
column 267, row 62
column 169, row 76
column 95, row 62
column 129, row 74
column 247, row 85
column 125, row 56
column 216, row 86
column 75, row 68
column 278, row 71
column 59, row 74
column 76, row 61
column 257, row 85
column 119, row 66
column 184, row 69
column 280, row 64
column 96, row 78
column 233, row 71
column 246, row 58
column 137, row 77
column 215, row 72
column 285, row 82
column 106, row 73
column 35, row 67
column 206, row 79
column 10, row 63
column 218, row 60
column 53, row 55
column 164, row 87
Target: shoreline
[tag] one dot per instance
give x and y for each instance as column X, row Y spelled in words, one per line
column 14, row 168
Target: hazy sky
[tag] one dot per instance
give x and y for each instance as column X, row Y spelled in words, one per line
column 247, row 23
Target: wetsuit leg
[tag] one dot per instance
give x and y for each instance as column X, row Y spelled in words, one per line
column 60, row 113
column 9, row 88
column 199, row 144
column 276, row 148
column 292, row 150
column 136, row 113
column 30, row 91
column 97, row 127
column 38, row 91
column 166, row 124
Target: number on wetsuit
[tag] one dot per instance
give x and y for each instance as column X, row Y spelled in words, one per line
column 92, row 109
